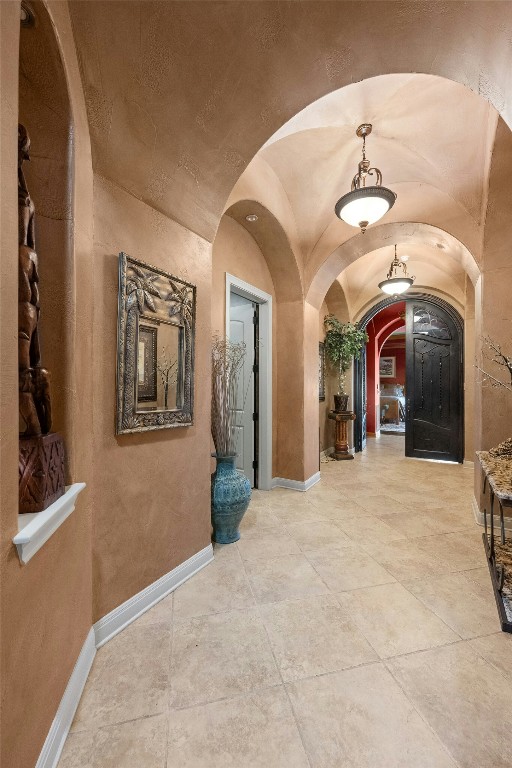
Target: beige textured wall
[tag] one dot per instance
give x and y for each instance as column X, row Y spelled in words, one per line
column 493, row 306
column 469, row 372
column 151, row 491
column 46, row 604
column 236, row 252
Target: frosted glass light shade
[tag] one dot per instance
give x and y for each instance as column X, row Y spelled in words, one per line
column 364, row 206
column 396, row 285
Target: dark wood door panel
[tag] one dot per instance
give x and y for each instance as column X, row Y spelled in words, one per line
column 434, row 384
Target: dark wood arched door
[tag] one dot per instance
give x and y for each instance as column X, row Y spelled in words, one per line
column 433, row 425
column 434, row 379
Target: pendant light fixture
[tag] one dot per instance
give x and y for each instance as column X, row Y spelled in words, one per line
column 395, row 282
column 365, row 205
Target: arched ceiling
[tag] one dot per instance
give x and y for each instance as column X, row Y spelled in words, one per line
column 432, row 140
column 181, row 95
column 433, row 269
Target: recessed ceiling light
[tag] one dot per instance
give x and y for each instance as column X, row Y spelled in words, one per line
column 251, row 217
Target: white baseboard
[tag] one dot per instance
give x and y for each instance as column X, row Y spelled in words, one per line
column 296, row 485
column 479, row 516
column 105, row 629
column 52, row 748
column 115, row 621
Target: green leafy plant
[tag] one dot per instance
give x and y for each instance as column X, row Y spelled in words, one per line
column 343, row 342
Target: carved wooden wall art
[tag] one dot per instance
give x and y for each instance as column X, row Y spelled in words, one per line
column 41, row 461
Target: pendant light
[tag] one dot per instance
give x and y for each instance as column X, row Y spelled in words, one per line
column 394, row 282
column 365, row 205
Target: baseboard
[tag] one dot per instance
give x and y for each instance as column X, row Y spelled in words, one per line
column 115, row 621
column 327, row 452
column 467, row 463
column 479, row 516
column 296, row 485
column 52, row 748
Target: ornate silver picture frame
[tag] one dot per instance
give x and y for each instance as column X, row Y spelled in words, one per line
column 155, row 348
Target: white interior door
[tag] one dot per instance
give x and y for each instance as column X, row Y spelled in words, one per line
column 241, row 328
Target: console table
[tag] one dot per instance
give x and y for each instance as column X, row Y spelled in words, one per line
column 341, row 450
column 497, row 476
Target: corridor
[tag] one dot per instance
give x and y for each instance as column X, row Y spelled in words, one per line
column 353, row 625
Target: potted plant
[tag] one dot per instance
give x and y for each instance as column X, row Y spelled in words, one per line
column 231, row 490
column 343, row 342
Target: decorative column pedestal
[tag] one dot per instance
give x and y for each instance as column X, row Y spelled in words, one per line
column 341, row 451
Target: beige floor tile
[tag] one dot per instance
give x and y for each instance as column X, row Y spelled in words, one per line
column 284, row 578
column 137, row 744
column 255, row 731
column 161, row 613
column 361, row 490
column 218, row 656
column 394, row 621
column 449, row 521
column 496, row 650
column 310, row 536
column 461, row 551
column 78, row 750
column 265, row 547
column 301, row 513
column 459, row 602
column 411, row 524
column 405, row 560
column 380, row 504
column 480, row 579
column 359, row 718
column 340, row 510
column 464, row 699
column 370, row 529
column 221, row 586
column 281, row 497
column 128, row 679
column 258, row 521
column 311, row 637
column 346, row 568
column 322, row 494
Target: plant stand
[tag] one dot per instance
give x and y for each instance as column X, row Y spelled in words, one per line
column 341, row 451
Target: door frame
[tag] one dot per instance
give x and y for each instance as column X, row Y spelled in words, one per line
column 264, row 300
column 360, row 365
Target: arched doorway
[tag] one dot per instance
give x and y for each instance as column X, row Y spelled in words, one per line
column 434, row 379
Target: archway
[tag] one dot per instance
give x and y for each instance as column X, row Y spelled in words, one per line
column 360, row 366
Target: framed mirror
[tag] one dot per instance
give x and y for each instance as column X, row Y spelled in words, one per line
column 155, row 348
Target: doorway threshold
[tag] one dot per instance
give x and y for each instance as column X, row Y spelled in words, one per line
column 434, row 461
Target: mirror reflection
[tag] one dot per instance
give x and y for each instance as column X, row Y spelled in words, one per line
column 159, row 366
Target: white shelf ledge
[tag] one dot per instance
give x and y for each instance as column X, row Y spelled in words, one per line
column 35, row 529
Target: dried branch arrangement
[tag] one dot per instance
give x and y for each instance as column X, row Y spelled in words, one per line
column 495, row 355
column 227, row 362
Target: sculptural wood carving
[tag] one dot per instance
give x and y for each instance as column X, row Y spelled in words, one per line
column 41, row 465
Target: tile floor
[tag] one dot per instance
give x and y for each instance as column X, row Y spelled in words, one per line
column 352, row 626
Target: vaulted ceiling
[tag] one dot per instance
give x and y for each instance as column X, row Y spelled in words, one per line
column 181, row 95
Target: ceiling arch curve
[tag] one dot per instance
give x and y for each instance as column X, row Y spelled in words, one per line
column 274, row 245
column 384, row 235
column 179, row 140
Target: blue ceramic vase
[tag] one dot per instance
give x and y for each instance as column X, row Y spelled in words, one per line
column 231, row 494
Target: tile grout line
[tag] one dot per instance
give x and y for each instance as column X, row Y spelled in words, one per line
column 420, row 715
column 258, row 607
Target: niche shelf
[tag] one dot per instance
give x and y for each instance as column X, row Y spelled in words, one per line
column 34, row 529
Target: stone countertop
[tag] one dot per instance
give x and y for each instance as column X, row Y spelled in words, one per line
column 499, row 474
